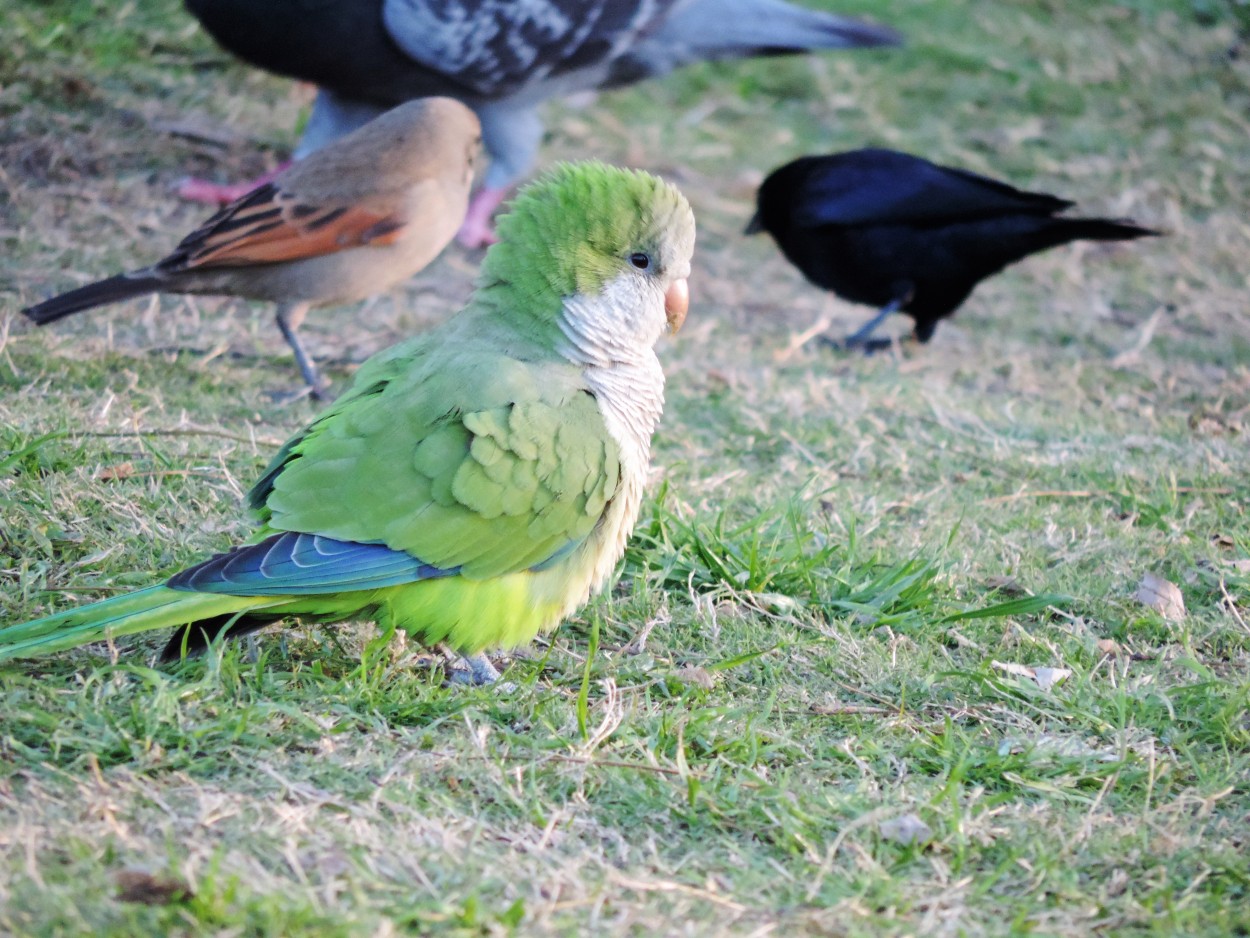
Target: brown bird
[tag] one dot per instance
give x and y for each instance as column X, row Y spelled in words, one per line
column 348, row 221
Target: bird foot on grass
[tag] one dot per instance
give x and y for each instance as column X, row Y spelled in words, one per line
column 867, row 346
column 477, row 671
column 475, row 234
column 212, row 193
column 319, row 394
column 478, row 228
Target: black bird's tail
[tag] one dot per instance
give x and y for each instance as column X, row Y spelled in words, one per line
column 1097, row 229
column 121, row 287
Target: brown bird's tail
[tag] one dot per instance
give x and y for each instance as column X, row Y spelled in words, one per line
column 121, row 287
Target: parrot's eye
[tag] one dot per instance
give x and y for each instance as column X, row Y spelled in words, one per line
column 640, row 260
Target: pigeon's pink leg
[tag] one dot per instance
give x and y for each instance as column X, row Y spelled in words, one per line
column 211, row 193
column 478, row 229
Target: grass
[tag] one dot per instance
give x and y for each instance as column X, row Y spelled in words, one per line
column 840, row 555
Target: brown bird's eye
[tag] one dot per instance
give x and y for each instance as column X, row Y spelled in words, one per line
column 640, row 260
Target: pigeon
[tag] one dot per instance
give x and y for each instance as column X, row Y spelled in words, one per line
column 501, row 57
column 351, row 220
column 895, row 231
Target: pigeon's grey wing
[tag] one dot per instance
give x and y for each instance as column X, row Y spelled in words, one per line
column 886, row 187
column 493, row 48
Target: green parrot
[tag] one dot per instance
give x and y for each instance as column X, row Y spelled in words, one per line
column 476, row 484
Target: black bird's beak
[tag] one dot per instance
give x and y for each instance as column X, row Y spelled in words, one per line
column 754, row 226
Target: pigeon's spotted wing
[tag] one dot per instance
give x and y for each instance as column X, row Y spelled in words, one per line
column 494, row 47
column 482, row 472
column 885, row 187
column 269, row 225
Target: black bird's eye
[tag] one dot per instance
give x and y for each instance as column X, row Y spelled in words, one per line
column 640, row 260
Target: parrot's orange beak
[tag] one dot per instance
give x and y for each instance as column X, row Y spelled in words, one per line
column 676, row 302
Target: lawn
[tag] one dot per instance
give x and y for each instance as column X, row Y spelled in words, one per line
column 816, row 701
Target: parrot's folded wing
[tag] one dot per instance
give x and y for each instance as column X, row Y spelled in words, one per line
column 291, row 564
column 509, row 485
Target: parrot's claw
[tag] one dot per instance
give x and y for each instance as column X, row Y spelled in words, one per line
column 477, row 671
column 251, row 649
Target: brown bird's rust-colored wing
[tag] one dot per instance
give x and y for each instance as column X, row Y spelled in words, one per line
column 269, row 225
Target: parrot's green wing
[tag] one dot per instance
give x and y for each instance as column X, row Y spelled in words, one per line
column 484, row 467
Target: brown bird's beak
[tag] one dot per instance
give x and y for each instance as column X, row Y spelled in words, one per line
column 676, row 302
column 754, row 226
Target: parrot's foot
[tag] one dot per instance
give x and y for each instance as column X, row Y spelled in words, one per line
column 212, row 193
column 479, row 670
column 478, row 229
column 251, row 649
column 476, row 670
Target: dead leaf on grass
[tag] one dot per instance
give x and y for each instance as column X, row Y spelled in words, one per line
column 699, row 677
column 140, row 886
column 1161, row 595
column 1047, row 747
column 123, row 470
column 199, row 129
column 1046, row 678
column 1108, row 646
column 906, row 829
column 1007, row 585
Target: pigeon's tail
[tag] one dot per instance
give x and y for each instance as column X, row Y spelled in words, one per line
column 156, row 607
column 718, row 29
column 112, row 290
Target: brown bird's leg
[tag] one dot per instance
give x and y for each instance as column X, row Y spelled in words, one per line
column 289, row 317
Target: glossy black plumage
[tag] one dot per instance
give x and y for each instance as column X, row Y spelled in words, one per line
column 898, row 232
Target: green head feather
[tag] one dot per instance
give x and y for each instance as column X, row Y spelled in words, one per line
column 573, row 229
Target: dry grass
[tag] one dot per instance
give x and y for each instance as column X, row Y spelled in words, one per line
column 784, row 665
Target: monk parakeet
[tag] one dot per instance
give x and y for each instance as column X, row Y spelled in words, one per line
column 476, row 484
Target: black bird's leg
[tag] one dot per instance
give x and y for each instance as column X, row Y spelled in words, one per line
column 862, row 337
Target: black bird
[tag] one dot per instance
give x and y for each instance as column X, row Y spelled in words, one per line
column 893, row 230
